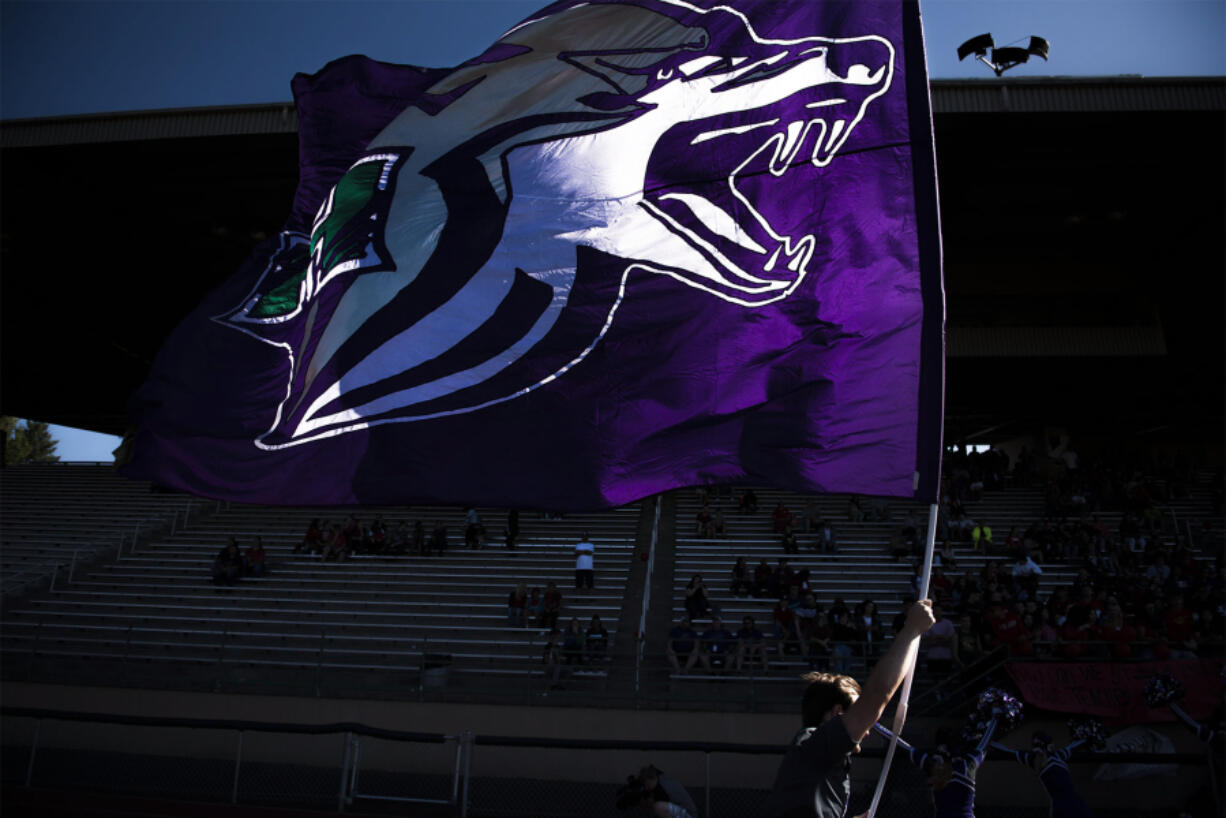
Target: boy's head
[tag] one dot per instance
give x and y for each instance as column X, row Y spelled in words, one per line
column 826, row 695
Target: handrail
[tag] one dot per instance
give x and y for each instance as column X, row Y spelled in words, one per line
column 359, row 728
column 651, row 564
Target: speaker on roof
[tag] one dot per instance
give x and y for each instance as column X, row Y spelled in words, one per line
column 976, row 45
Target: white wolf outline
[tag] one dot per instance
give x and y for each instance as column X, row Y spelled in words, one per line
column 783, row 148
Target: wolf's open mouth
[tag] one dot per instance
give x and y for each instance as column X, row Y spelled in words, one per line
column 740, row 220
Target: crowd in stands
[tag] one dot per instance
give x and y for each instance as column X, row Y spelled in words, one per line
column 337, row 542
column 1141, row 592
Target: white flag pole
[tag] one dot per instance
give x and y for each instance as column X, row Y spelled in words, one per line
column 900, row 714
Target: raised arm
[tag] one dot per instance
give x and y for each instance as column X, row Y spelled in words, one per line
column 889, row 673
column 1067, row 750
column 918, row 757
column 1021, row 756
column 985, row 741
column 1202, row 731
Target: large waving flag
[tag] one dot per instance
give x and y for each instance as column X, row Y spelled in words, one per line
column 635, row 245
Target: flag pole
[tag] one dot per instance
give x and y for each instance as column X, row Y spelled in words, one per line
column 900, row 713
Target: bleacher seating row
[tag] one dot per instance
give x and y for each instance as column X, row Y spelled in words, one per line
column 385, row 613
column 58, row 515
column 152, row 610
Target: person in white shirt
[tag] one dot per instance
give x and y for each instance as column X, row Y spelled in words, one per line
column 1026, row 574
column 585, row 554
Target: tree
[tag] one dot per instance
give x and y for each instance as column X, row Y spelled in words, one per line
column 27, row 441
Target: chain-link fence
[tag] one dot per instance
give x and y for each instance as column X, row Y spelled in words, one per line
column 355, row 767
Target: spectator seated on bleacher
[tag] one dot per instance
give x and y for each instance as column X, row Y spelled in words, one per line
column 1179, row 628
column 228, row 566
column 718, row 646
column 788, row 541
column 819, row 643
column 939, row 643
column 1025, row 574
column 697, row 605
column 1008, row 629
column 869, row 630
column 879, row 510
column 806, row 610
column 682, row 646
column 981, row 537
column 438, row 538
column 781, row 578
column 763, row 578
column 335, row 546
column 742, row 583
column 551, row 606
column 855, row 512
column 969, row 645
column 940, row 587
column 704, row 524
column 719, row 526
column 255, row 560
column 517, row 601
column 399, row 541
column 352, row 534
column 899, row 547
column 827, row 540
column 788, row 637
column 748, row 502
column 1117, row 632
column 813, row 517
column 597, row 640
column 750, row 643
column 781, row 518
column 377, row 536
column 312, row 541
column 573, row 642
column 535, row 608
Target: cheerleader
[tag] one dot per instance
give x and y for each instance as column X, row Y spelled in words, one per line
column 952, row 776
column 1052, row 766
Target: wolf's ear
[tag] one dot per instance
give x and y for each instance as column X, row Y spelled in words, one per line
column 631, row 72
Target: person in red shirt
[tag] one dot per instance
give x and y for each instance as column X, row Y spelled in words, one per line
column 1008, row 629
column 255, row 558
column 1179, row 625
column 787, row 628
column 782, row 517
column 940, row 585
column 1078, row 630
column 1117, row 631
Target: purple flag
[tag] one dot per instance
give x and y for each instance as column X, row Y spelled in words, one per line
column 635, row 245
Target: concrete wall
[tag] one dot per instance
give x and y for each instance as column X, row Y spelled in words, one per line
column 999, row 783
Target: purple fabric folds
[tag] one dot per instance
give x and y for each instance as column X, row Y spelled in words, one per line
column 634, row 246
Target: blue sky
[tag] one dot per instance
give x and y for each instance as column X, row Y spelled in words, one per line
column 59, row 57
column 82, row 57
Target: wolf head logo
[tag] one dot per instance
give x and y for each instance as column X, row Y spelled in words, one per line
column 441, row 274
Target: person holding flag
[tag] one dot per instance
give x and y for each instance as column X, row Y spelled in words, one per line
column 814, row 780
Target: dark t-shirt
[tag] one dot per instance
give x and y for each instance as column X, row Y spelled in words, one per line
column 682, row 639
column 814, row 778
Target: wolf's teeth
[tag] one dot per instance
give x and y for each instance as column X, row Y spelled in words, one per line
column 835, row 131
column 792, row 143
column 770, row 263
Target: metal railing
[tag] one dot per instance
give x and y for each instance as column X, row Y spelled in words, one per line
column 641, row 634
column 238, row 779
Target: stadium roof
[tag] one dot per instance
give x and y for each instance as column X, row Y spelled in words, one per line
column 1029, row 95
column 1081, row 219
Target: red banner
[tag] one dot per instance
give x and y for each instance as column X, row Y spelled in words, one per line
column 1113, row 691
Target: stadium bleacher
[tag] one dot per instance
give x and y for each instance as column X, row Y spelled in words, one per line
column 406, row 625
